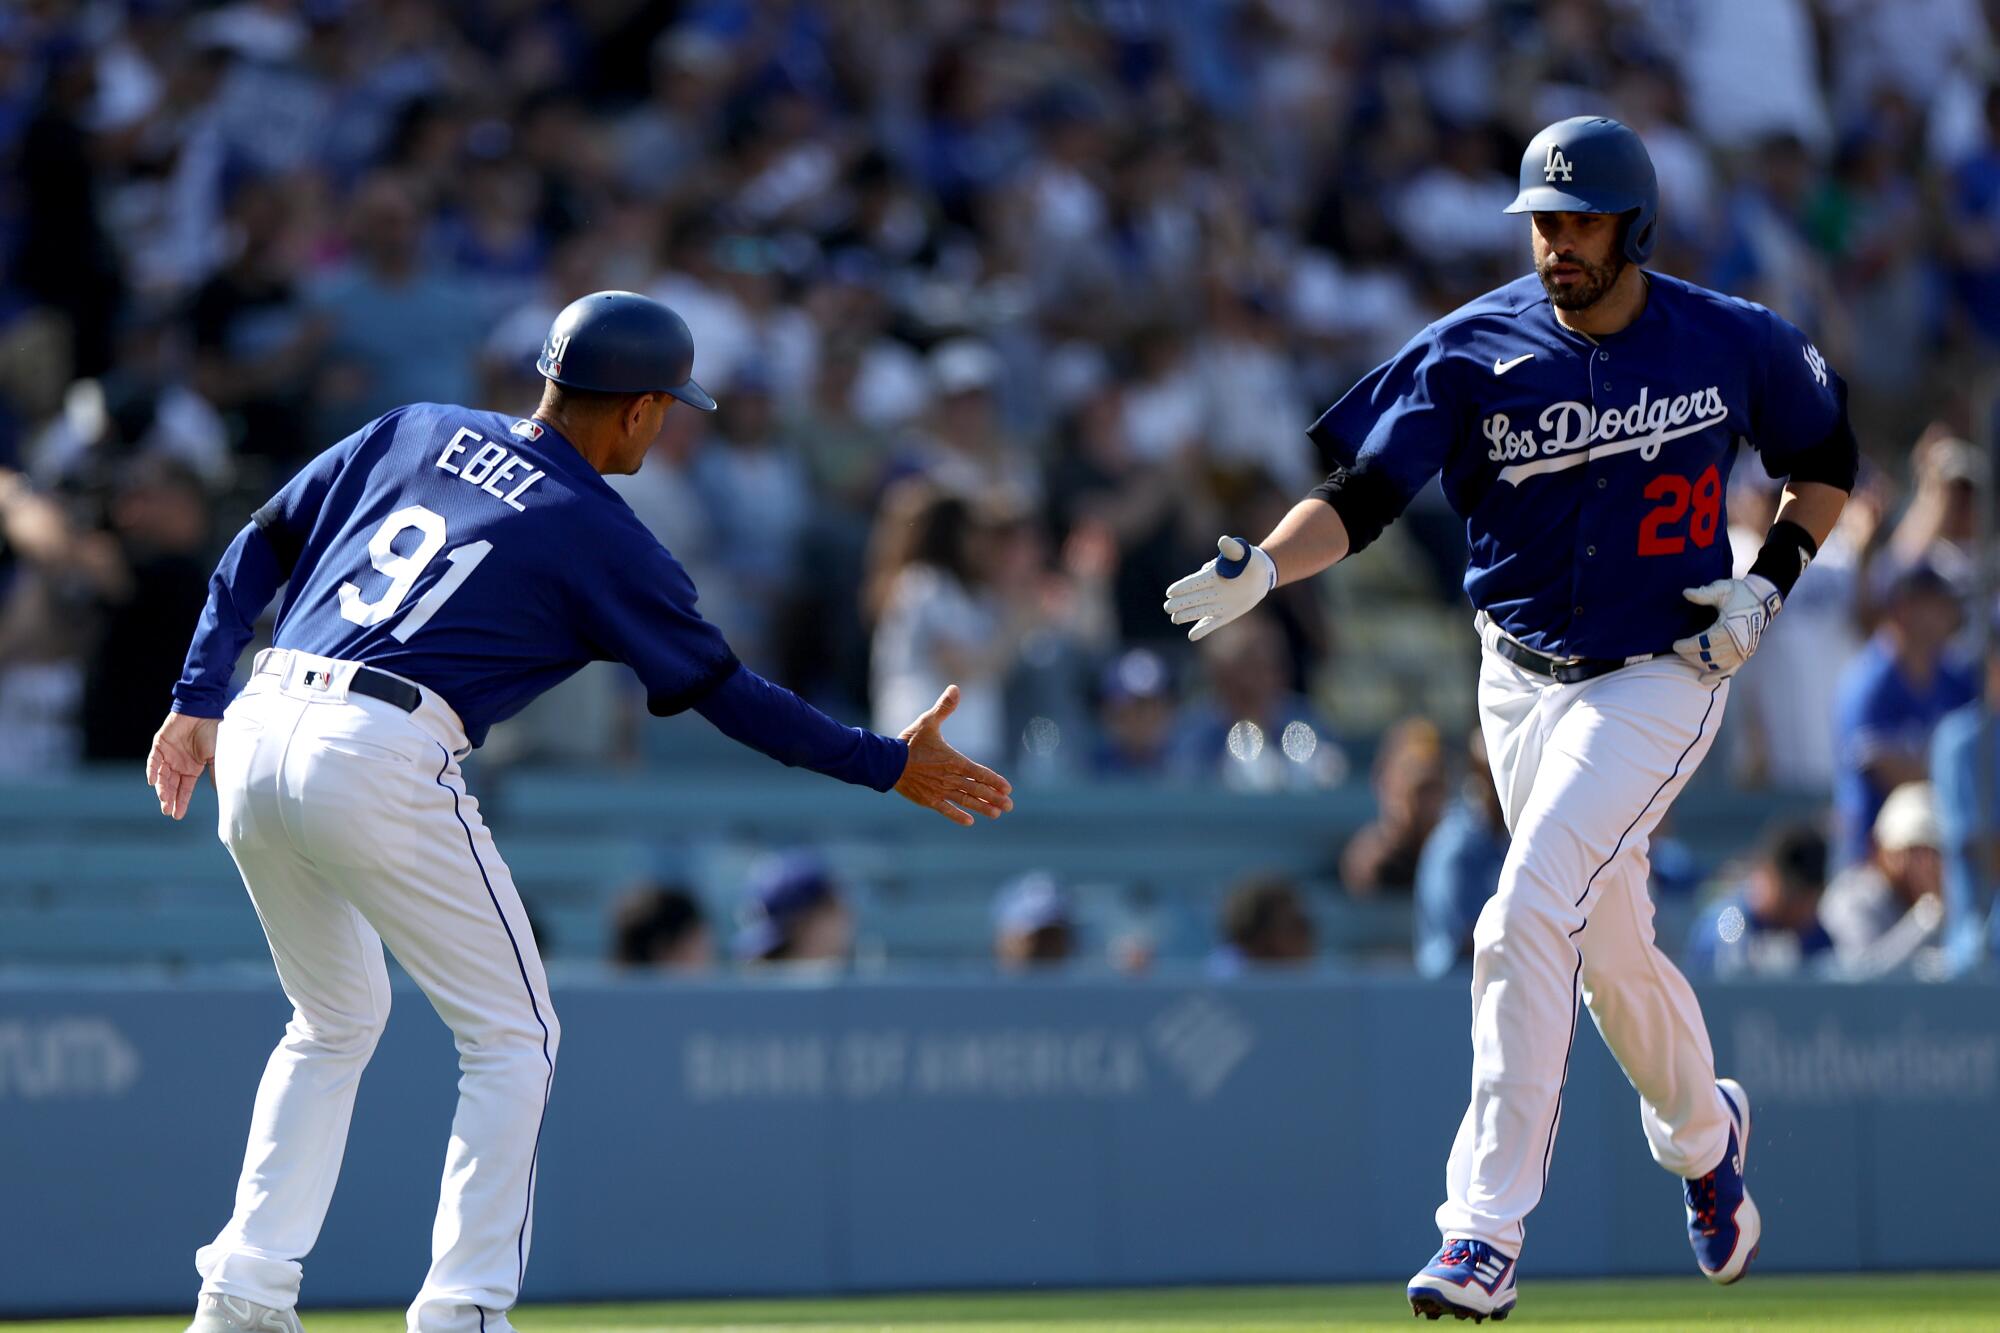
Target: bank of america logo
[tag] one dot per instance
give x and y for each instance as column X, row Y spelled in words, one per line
column 1202, row 1042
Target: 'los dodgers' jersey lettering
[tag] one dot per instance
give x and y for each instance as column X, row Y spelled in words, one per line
column 485, row 558
column 1591, row 473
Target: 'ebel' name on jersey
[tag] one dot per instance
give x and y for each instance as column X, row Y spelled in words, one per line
column 491, row 467
column 1573, row 432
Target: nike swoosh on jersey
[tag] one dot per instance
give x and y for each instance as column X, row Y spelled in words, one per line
column 1502, row 367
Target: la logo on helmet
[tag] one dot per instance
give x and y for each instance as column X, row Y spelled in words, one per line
column 1555, row 164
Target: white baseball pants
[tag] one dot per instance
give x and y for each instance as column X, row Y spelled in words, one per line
column 351, row 826
column 1584, row 773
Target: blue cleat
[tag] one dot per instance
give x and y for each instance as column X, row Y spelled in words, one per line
column 1723, row 1224
column 1469, row 1279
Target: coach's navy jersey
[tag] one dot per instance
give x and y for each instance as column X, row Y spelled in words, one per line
column 482, row 556
column 1591, row 472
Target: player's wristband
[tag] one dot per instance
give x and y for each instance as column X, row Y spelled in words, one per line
column 1786, row 552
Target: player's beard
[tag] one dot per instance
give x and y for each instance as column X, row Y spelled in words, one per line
column 1596, row 282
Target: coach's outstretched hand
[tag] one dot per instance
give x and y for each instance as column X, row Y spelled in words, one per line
column 182, row 748
column 939, row 778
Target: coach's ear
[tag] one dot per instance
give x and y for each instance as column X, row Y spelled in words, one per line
column 644, row 412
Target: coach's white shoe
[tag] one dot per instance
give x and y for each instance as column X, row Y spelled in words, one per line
column 233, row 1314
column 1723, row 1224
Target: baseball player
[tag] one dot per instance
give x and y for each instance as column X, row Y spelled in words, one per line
column 1584, row 420
column 443, row 566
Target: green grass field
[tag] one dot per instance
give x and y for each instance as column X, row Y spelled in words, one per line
column 1905, row 1303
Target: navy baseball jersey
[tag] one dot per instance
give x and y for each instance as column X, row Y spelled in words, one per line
column 1590, row 471
column 479, row 555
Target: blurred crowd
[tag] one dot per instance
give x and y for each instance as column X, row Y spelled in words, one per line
column 1011, row 306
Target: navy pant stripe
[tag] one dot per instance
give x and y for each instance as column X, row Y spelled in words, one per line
column 528, row 1204
column 1576, row 977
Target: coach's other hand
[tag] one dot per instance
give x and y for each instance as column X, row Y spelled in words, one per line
column 182, row 748
column 939, row 778
column 1223, row 589
column 1743, row 610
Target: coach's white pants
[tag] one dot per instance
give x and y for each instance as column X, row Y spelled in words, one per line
column 1584, row 774
column 351, row 826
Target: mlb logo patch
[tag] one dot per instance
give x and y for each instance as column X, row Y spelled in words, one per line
column 528, row 430
column 316, row 679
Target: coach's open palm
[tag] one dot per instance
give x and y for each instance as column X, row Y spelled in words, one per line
column 939, row 778
column 182, row 748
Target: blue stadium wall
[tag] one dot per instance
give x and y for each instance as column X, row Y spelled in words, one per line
column 728, row 1140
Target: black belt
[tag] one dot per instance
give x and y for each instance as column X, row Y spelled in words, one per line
column 376, row 685
column 381, row 685
column 1573, row 671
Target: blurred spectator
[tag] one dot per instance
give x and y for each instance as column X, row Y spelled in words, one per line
column 256, row 345
column 400, row 328
column 1781, row 714
column 1868, row 220
column 1098, row 479
column 1768, row 255
column 1410, row 792
column 62, row 256
column 1940, row 526
column 54, row 567
column 794, row 913
column 845, row 456
column 1973, row 228
column 1459, row 868
column 93, row 626
column 1252, row 730
column 936, row 621
column 1034, row 924
column 754, row 489
column 158, row 525
column 1135, row 717
column 662, row 926
column 1255, row 410
column 1264, row 924
column 665, row 137
column 142, row 408
column 1890, row 698
column 963, row 447
column 1750, row 71
column 1965, row 775
column 1769, row 926
column 1887, row 915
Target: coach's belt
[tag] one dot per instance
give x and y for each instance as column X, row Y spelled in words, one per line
column 1563, row 671
column 365, row 680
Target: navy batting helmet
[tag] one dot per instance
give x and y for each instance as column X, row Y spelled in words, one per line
column 622, row 342
column 1592, row 164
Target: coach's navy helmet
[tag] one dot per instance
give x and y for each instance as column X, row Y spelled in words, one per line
column 622, row 342
column 1592, row 164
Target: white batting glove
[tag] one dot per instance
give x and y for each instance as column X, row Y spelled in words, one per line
column 1743, row 608
column 1223, row 589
